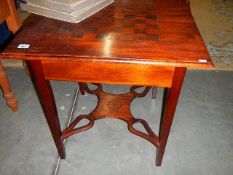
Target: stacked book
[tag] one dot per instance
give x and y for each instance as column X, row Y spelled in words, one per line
column 66, row 10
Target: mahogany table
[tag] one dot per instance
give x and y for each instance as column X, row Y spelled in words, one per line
column 135, row 42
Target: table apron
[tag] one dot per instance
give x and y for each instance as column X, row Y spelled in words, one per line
column 108, row 72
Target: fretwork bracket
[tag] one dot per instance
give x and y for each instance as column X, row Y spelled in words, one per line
column 113, row 106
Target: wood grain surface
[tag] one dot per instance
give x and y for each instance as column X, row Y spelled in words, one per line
column 156, row 32
column 110, row 73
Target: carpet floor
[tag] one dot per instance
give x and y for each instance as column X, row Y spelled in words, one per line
column 200, row 143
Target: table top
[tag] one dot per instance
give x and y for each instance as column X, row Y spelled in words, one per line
column 160, row 32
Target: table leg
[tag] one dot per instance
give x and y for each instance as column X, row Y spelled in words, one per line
column 82, row 88
column 7, row 92
column 171, row 97
column 45, row 94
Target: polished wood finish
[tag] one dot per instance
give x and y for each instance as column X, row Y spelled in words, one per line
column 47, row 101
column 146, row 43
column 7, row 92
column 113, row 73
column 171, row 97
column 113, row 106
column 160, row 32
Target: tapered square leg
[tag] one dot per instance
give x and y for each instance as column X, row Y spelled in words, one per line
column 47, row 100
column 171, row 97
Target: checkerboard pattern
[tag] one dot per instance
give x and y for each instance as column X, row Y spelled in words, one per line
column 116, row 21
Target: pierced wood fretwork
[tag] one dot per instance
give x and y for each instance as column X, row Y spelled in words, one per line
column 112, row 106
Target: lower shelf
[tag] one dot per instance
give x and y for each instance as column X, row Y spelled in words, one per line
column 112, row 106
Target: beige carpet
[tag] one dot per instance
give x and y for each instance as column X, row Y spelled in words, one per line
column 214, row 19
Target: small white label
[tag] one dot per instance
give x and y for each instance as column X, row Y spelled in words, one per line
column 202, row 61
column 23, row 46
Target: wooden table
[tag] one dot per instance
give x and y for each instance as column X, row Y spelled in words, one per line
column 140, row 43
